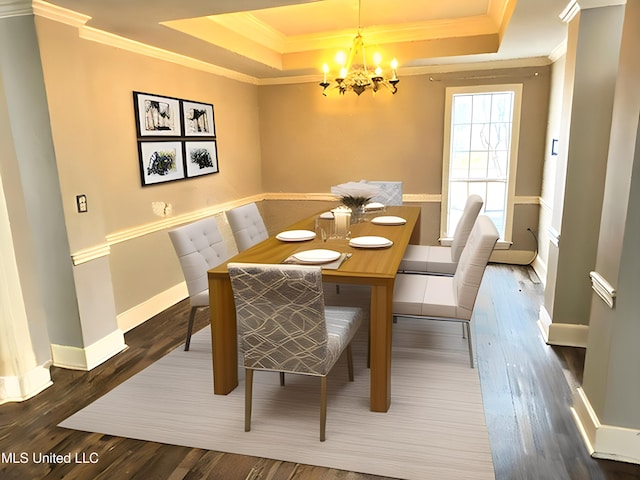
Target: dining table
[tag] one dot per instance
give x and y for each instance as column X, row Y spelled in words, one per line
column 376, row 267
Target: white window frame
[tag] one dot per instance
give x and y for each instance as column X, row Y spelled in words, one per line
column 445, row 237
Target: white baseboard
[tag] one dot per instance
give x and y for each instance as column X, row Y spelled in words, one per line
column 540, row 267
column 87, row 358
column 604, row 441
column 562, row 334
column 18, row 389
column 158, row 303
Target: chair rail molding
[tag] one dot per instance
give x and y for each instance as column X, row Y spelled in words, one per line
column 603, row 288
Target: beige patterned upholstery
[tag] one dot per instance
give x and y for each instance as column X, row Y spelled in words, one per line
column 284, row 325
column 440, row 260
column 449, row 298
column 199, row 246
column 247, row 226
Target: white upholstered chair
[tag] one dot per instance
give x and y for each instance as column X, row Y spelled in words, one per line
column 434, row 297
column 247, row 226
column 439, row 260
column 284, row 325
column 390, row 192
column 199, row 246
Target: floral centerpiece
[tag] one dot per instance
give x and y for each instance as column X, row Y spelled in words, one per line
column 355, row 195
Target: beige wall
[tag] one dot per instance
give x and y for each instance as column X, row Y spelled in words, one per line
column 89, row 88
column 286, row 138
column 311, row 142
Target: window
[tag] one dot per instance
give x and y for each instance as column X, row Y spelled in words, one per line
column 480, row 153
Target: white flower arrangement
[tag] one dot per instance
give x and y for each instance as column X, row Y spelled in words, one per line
column 355, row 194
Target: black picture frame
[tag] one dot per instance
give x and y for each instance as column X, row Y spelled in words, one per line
column 157, row 115
column 201, row 157
column 198, row 119
column 176, row 138
column 161, row 161
column 554, row 146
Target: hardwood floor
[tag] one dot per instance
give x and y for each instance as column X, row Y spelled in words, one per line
column 526, row 390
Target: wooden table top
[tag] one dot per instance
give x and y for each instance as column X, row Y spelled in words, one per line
column 364, row 264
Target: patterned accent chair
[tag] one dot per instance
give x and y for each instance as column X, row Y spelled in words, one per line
column 199, row 246
column 439, row 260
column 284, row 325
column 390, row 192
column 247, row 226
column 452, row 299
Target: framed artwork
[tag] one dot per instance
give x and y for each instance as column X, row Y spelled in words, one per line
column 201, row 158
column 160, row 161
column 198, row 119
column 157, row 116
column 554, row 146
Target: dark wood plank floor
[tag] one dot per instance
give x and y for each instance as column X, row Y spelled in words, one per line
column 526, row 390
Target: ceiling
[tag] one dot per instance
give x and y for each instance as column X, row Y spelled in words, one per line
column 271, row 40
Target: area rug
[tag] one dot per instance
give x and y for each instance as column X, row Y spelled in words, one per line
column 435, row 428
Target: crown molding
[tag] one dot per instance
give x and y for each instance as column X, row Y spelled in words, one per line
column 59, row 14
column 15, row 8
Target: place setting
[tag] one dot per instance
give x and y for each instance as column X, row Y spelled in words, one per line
column 370, row 241
column 388, row 220
column 326, row 258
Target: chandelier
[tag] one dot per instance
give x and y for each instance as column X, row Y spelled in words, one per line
column 354, row 75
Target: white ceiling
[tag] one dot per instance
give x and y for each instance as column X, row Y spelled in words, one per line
column 271, row 39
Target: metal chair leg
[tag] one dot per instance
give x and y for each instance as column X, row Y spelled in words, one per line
column 467, row 328
column 350, row 362
column 192, row 317
column 323, row 407
column 248, row 392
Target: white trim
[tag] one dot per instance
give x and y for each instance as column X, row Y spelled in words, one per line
column 568, row 335
column 59, row 14
column 544, row 320
column 158, row 303
column 450, row 92
column 87, row 358
column 562, row 334
column 604, row 441
column 18, row 389
column 540, row 267
column 603, row 288
column 92, row 253
column 15, row 8
column 554, row 236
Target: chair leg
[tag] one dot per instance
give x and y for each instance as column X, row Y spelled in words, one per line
column 248, row 392
column 350, row 362
column 467, row 329
column 282, row 379
column 323, row 407
column 192, row 316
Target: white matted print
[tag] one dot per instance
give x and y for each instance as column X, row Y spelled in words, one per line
column 201, row 158
column 160, row 162
column 198, row 119
column 157, row 116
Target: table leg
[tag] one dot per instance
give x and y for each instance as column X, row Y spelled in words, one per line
column 223, row 336
column 380, row 331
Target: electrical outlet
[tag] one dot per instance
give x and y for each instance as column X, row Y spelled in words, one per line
column 81, row 202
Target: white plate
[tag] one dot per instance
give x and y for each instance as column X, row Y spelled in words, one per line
column 390, row 220
column 370, row 242
column 374, row 206
column 296, row 235
column 317, row 256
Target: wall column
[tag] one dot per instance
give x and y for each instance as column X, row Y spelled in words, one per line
column 40, row 286
column 593, row 45
column 607, row 403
